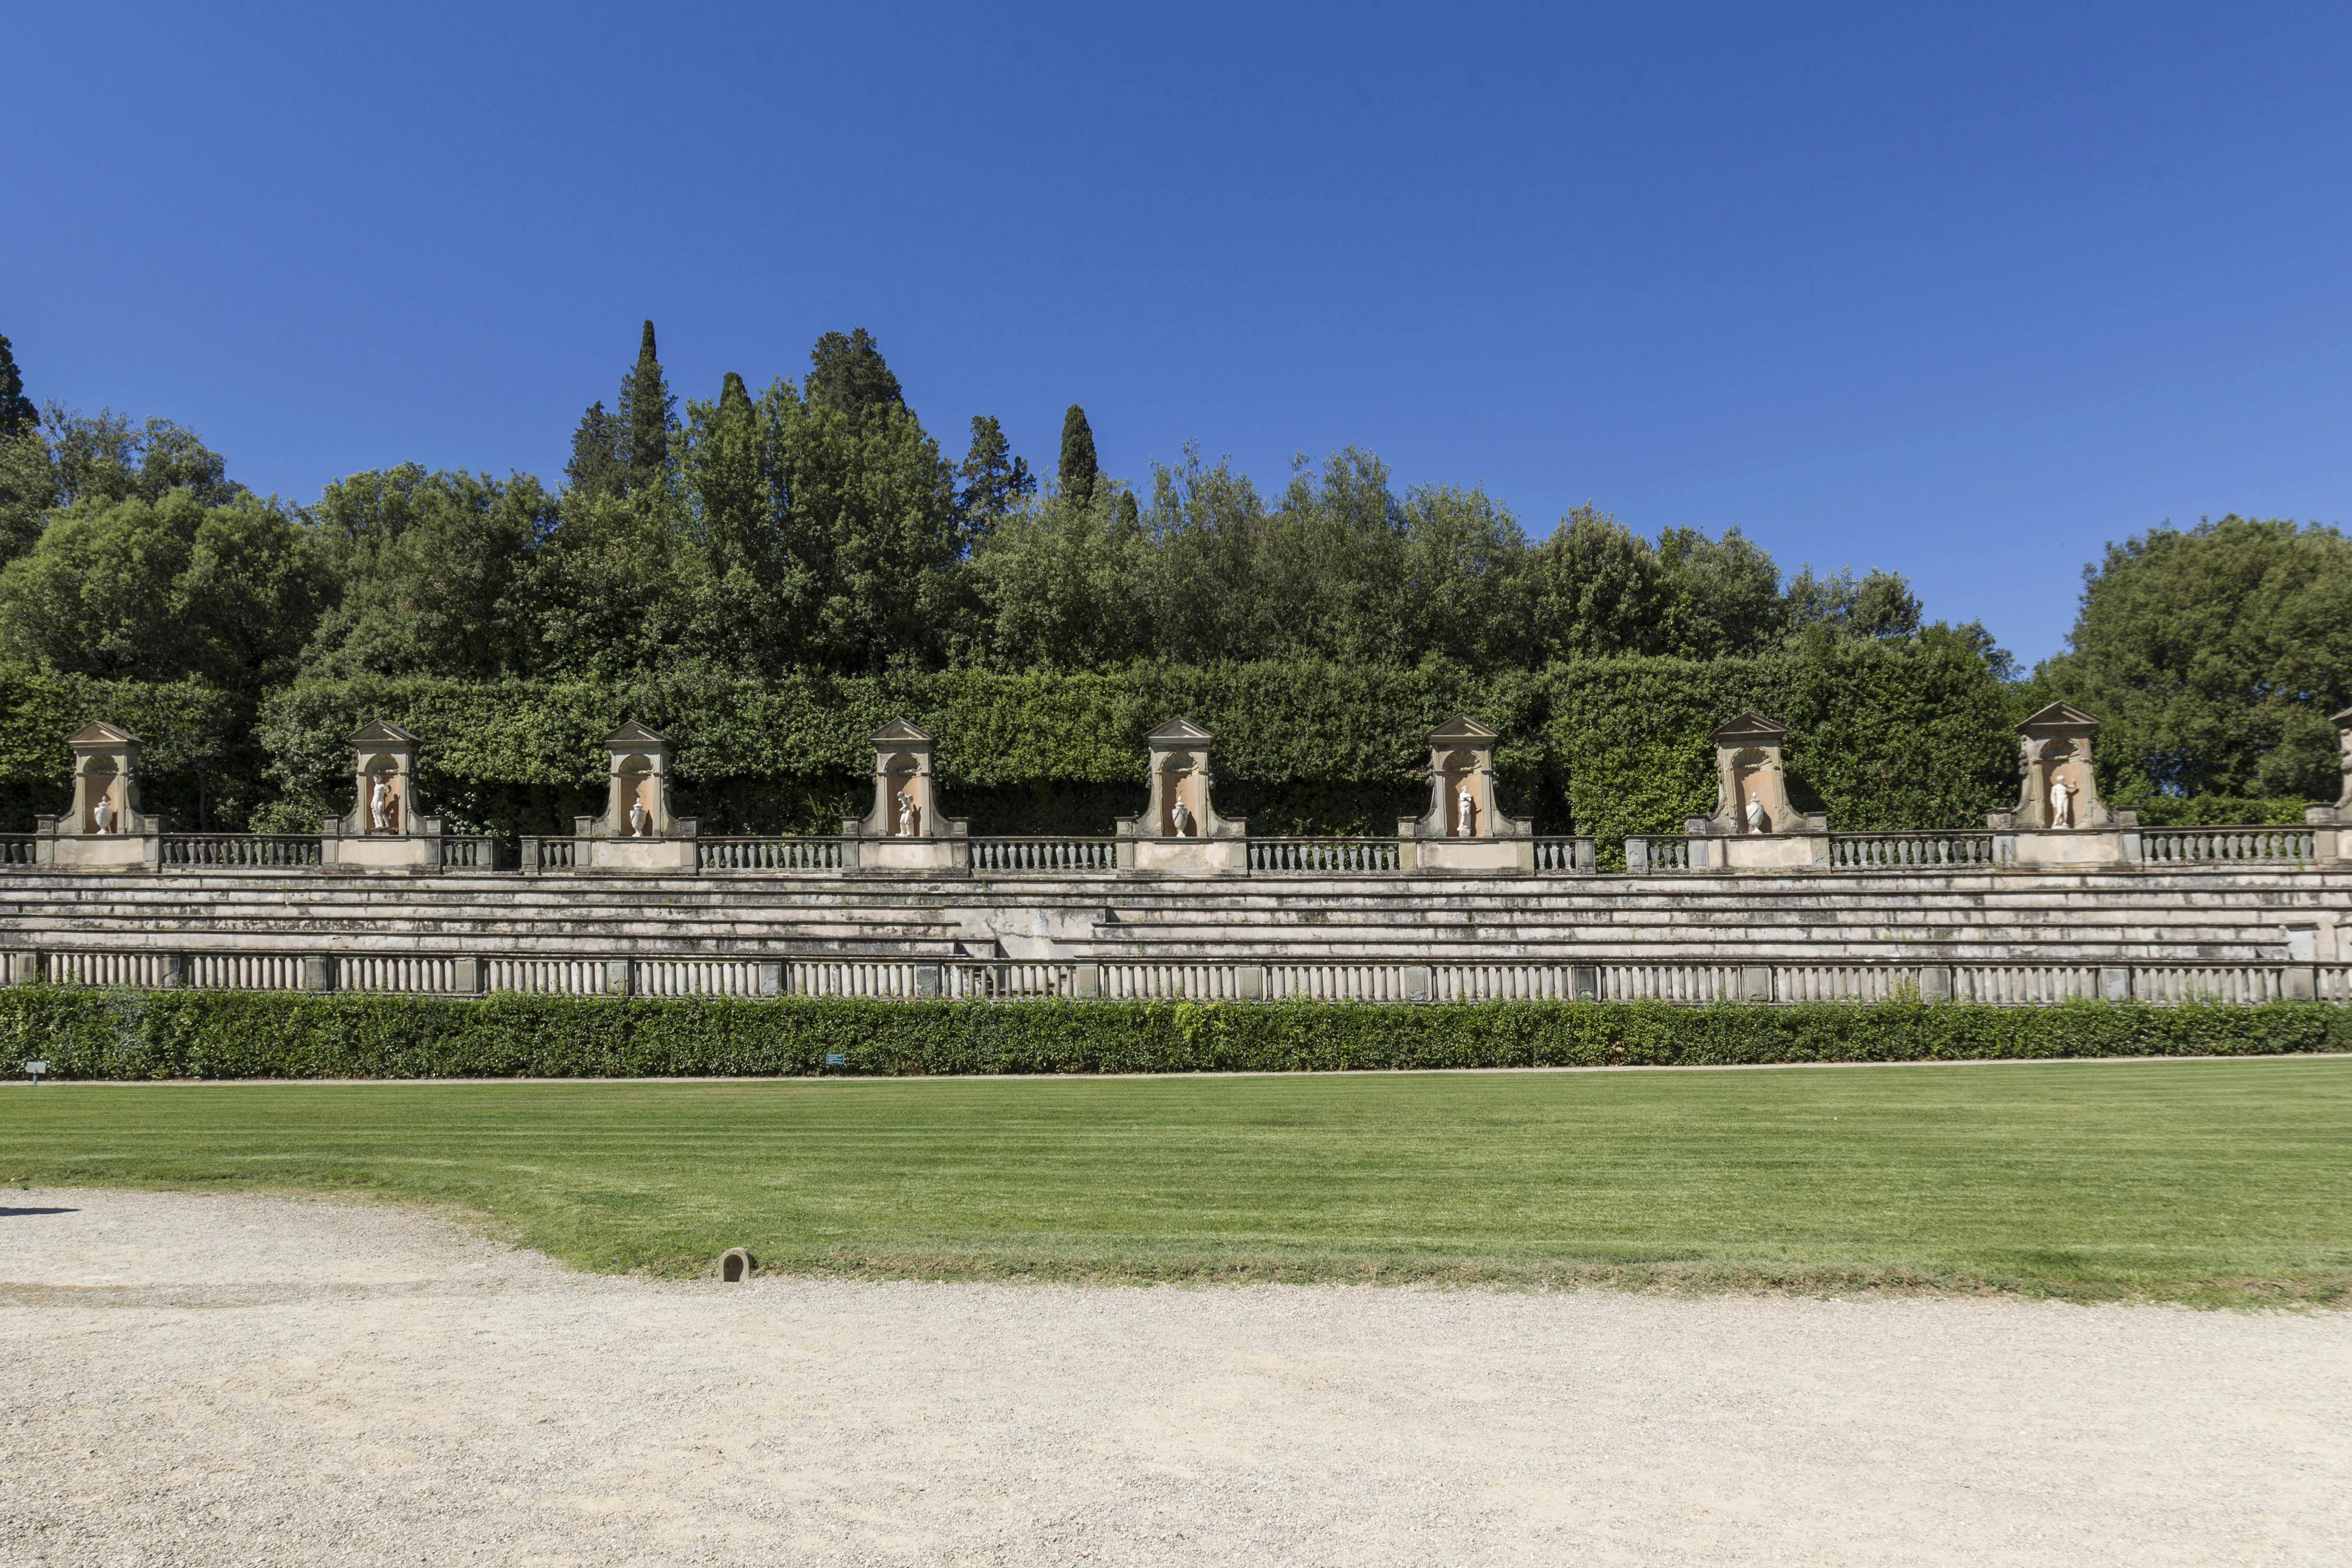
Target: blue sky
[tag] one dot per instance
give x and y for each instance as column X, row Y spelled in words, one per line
column 1966, row 295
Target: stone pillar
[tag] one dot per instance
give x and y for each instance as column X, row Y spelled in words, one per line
column 638, row 831
column 620, row 977
column 767, row 977
column 1249, row 982
column 1756, row 982
column 1086, row 981
column 2115, row 983
column 1585, row 981
column 318, row 972
column 903, row 830
column 2059, row 818
column 1754, row 826
column 1935, row 983
column 468, row 976
column 1464, row 828
column 1417, row 979
column 1180, row 830
column 387, row 827
column 928, row 978
column 104, row 829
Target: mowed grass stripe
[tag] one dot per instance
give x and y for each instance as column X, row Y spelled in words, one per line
column 2202, row 1179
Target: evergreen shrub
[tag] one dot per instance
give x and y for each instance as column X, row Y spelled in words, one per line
column 130, row 1036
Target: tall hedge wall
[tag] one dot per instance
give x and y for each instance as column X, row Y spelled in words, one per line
column 175, row 1035
column 1885, row 735
column 199, row 760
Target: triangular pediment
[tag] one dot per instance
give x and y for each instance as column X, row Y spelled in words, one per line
column 2058, row 716
column 98, row 732
column 2342, row 719
column 634, row 736
column 1178, row 732
column 1462, row 731
column 1752, row 728
column 381, row 733
column 900, row 732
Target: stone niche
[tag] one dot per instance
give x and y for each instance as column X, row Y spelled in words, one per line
column 387, row 828
column 2330, row 819
column 1755, row 826
column 903, row 831
column 638, row 831
column 104, row 828
column 1180, row 830
column 1464, row 828
column 2059, row 819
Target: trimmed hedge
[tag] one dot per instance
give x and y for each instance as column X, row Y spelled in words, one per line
column 1897, row 734
column 128, row 1035
column 197, row 741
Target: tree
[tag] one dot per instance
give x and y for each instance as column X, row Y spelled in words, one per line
column 645, row 408
column 432, row 572
column 18, row 415
column 1466, row 580
column 994, row 480
column 1201, row 583
column 847, row 373
column 2215, row 655
column 157, row 590
column 625, row 448
column 1722, row 598
column 1076, row 475
column 1596, row 589
column 1878, row 606
column 70, row 458
column 1062, row 587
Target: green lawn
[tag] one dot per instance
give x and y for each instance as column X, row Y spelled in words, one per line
column 2197, row 1180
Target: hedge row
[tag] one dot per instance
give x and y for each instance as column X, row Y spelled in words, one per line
column 125, row 1035
column 1899, row 735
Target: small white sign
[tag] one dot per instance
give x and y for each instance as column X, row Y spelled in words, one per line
column 36, row 1069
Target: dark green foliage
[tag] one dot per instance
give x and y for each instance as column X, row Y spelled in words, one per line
column 2214, row 655
column 596, row 467
column 1907, row 733
column 18, row 415
column 646, row 408
column 433, row 570
column 155, row 590
column 197, row 737
column 994, row 480
column 125, row 1035
column 1078, row 469
column 847, row 373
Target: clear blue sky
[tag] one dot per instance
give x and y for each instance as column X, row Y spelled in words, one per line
column 1965, row 296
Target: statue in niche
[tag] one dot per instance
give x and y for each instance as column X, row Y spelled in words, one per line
column 1179, row 819
column 637, row 820
column 1756, row 822
column 1464, row 806
column 906, row 814
column 102, row 815
column 2061, row 802
column 381, row 806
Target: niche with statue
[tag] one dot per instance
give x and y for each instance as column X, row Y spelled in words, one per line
column 1464, row 828
column 387, row 827
column 1755, row 825
column 104, row 828
column 2059, row 818
column 1180, row 830
column 637, row 831
column 903, row 831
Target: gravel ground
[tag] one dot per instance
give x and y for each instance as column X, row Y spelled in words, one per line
column 236, row 1380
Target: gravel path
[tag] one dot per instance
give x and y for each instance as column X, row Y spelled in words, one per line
column 232, row 1380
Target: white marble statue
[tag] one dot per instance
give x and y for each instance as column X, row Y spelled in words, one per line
column 380, row 805
column 2061, row 802
column 1464, row 809
column 637, row 820
column 1179, row 819
column 1755, row 811
column 906, row 814
column 102, row 815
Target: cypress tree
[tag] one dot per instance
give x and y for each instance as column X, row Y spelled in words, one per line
column 734, row 397
column 647, row 406
column 18, row 415
column 1078, row 469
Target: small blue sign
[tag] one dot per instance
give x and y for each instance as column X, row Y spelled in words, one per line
column 835, row 1059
